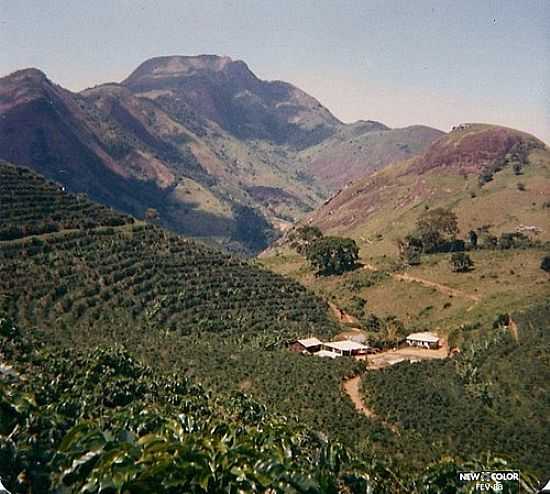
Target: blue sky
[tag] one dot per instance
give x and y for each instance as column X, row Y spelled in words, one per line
column 399, row 62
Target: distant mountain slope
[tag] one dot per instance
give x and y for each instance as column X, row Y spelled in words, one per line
column 217, row 152
column 471, row 170
column 127, row 152
column 358, row 149
column 228, row 93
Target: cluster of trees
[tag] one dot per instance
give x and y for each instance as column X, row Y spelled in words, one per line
column 328, row 255
column 436, row 231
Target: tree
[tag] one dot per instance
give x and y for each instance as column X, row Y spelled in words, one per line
column 151, row 215
column 461, row 262
column 472, row 239
column 333, row 255
column 435, row 227
column 303, row 237
column 545, row 264
column 410, row 249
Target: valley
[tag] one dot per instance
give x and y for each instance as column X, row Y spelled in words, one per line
column 166, row 242
column 219, row 154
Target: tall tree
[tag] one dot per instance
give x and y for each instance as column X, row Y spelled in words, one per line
column 435, row 227
column 333, row 255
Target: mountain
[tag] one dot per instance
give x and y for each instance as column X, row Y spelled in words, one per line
column 228, row 93
column 218, row 153
column 475, row 170
column 361, row 148
column 125, row 151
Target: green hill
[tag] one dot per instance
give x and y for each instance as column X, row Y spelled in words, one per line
column 497, row 182
column 90, row 266
column 29, row 205
column 79, row 414
column 496, row 394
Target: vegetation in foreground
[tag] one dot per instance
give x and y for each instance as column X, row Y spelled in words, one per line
column 182, row 308
column 495, row 394
column 100, row 421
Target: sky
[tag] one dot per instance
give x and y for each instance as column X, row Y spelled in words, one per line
column 401, row 62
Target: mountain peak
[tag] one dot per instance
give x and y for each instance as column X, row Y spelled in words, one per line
column 228, row 93
column 179, row 65
column 29, row 75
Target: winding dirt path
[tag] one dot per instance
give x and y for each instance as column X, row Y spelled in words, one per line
column 446, row 290
column 352, row 387
column 342, row 315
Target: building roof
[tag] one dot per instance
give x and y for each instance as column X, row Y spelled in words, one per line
column 346, row 345
column 326, row 353
column 309, row 342
column 425, row 336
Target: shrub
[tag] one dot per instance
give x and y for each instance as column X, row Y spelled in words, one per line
column 461, row 262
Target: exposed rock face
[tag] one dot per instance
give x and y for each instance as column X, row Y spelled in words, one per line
column 228, row 93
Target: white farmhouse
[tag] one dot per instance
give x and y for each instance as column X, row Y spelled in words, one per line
column 423, row 340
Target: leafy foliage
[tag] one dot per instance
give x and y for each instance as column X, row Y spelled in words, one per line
column 333, row 255
column 436, row 226
column 461, row 262
column 493, row 396
column 304, row 237
column 143, row 275
column 31, row 206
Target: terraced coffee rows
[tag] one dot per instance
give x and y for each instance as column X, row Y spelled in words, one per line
column 30, row 205
column 148, row 276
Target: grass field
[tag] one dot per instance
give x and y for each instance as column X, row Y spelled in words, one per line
column 504, row 281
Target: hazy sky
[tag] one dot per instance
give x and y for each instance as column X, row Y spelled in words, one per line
column 401, row 62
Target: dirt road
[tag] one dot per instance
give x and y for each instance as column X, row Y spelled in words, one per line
column 352, row 386
column 342, row 315
column 446, row 290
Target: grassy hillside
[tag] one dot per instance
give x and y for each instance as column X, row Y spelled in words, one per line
column 384, row 207
column 361, row 148
column 491, row 395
